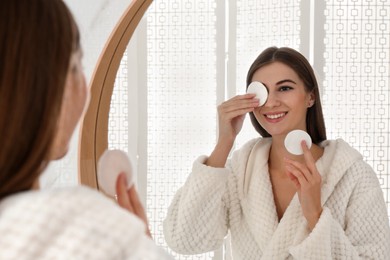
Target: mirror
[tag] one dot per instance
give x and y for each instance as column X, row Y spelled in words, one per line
column 93, row 140
column 171, row 113
column 152, row 117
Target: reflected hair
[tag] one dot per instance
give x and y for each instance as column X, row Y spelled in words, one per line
column 37, row 40
column 315, row 123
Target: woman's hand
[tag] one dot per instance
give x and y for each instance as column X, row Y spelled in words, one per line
column 128, row 199
column 231, row 115
column 307, row 180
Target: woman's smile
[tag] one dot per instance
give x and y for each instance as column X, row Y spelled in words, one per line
column 275, row 117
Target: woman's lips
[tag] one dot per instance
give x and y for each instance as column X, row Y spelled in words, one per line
column 275, row 117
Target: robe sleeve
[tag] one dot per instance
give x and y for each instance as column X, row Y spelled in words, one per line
column 197, row 217
column 366, row 234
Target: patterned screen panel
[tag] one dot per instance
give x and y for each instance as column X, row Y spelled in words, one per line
column 356, row 86
column 181, row 97
column 118, row 124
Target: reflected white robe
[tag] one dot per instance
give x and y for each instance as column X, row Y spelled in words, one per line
column 354, row 223
column 71, row 223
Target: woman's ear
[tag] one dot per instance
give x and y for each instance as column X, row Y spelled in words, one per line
column 311, row 100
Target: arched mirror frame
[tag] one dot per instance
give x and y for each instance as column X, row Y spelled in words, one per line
column 94, row 129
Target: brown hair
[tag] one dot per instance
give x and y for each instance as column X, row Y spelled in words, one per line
column 37, row 40
column 315, row 124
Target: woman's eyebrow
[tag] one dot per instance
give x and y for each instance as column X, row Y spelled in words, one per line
column 285, row 80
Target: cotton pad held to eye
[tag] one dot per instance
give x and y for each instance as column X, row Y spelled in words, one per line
column 110, row 165
column 293, row 140
column 260, row 90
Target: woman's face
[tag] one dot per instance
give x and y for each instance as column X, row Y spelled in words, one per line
column 287, row 102
column 75, row 100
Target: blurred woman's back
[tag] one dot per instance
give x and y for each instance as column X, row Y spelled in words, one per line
column 42, row 97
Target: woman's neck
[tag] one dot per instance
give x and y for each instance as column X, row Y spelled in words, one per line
column 277, row 154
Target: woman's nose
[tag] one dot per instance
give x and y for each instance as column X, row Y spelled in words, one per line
column 272, row 100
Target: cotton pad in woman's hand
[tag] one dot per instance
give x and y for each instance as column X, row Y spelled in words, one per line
column 293, row 140
column 260, row 90
column 110, row 165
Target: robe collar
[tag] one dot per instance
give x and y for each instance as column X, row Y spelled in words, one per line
column 273, row 237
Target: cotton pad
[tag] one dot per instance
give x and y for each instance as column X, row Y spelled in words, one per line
column 260, row 90
column 110, row 165
column 293, row 140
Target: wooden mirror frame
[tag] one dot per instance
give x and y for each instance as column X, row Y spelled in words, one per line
column 94, row 129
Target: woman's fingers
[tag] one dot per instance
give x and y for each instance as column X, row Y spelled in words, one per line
column 248, row 96
column 294, row 180
column 303, row 182
column 309, row 159
column 309, row 188
column 138, row 207
column 136, row 203
column 129, row 200
column 231, row 114
column 121, row 193
column 299, row 170
column 240, row 101
column 239, row 104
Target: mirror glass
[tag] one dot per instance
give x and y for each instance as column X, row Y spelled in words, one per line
column 163, row 105
column 186, row 57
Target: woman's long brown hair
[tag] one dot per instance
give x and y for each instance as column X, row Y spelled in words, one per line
column 315, row 123
column 37, row 40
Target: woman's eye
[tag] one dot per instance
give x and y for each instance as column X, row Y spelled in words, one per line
column 285, row 88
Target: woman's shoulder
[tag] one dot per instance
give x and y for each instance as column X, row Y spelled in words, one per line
column 255, row 148
column 346, row 161
column 63, row 197
column 77, row 214
column 243, row 152
column 248, row 145
column 340, row 153
column 65, row 205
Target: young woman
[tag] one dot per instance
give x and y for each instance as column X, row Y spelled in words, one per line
column 42, row 97
column 324, row 204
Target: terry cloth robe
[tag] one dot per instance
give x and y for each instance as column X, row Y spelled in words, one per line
column 71, row 223
column 353, row 225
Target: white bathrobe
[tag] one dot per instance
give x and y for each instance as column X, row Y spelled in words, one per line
column 354, row 223
column 71, row 223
